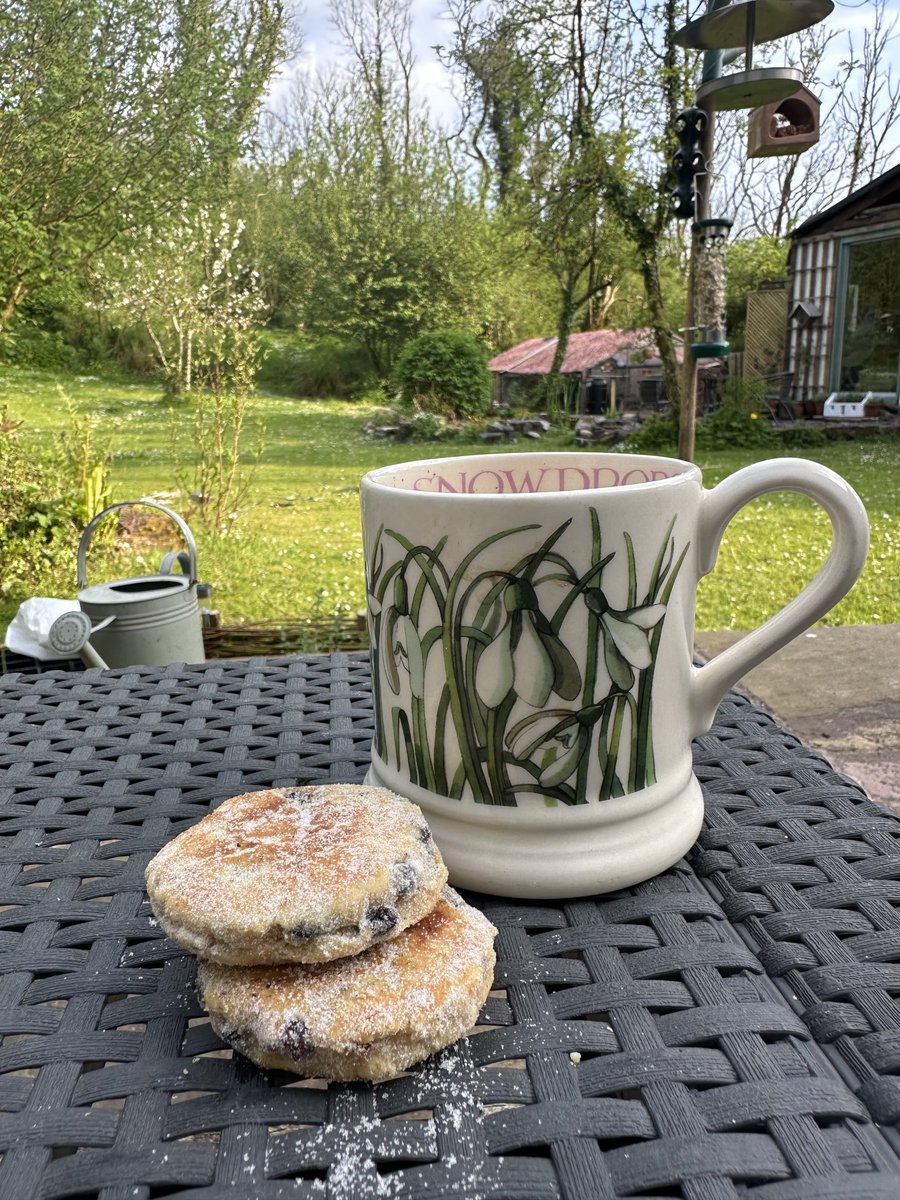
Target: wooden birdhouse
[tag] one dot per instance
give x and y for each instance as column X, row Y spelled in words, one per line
column 785, row 126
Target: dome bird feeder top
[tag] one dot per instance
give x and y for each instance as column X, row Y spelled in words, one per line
column 713, row 230
column 726, row 28
column 744, row 25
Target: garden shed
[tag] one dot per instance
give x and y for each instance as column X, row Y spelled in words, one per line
column 844, row 297
column 610, row 368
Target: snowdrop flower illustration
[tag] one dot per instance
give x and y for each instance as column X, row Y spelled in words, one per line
column 526, row 656
column 626, row 642
column 554, row 741
column 401, row 645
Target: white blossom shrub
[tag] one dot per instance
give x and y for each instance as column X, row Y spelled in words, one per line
column 202, row 307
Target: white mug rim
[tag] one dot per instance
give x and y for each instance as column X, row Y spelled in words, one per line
column 685, row 472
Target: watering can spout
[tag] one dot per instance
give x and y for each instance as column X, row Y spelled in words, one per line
column 69, row 635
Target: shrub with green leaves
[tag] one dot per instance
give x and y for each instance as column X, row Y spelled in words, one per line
column 38, row 518
column 796, row 436
column 31, row 346
column 739, row 421
column 326, row 368
column 445, row 372
column 49, row 495
column 431, row 427
column 655, row 435
column 732, row 427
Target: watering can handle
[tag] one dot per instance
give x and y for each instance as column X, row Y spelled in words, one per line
column 170, row 558
column 86, row 537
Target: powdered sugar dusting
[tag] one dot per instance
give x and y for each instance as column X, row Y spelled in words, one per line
column 357, row 1144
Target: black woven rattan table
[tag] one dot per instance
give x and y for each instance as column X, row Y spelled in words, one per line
column 728, row 1029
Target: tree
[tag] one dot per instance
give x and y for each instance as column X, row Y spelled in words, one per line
column 533, row 130
column 111, row 113
column 199, row 303
column 379, row 235
column 571, row 108
column 202, row 308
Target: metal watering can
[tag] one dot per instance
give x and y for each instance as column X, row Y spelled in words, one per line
column 149, row 620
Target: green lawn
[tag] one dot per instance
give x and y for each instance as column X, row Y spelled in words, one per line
column 294, row 550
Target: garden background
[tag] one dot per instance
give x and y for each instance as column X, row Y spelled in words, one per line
column 216, row 265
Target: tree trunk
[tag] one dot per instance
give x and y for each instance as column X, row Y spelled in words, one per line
column 376, row 356
column 555, row 383
column 13, row 300
column 662, row 329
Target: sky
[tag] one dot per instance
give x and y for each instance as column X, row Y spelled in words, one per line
column 321, row 48
column 431, row 25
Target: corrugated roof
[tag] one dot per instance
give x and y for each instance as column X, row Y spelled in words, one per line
column 516, row 355
column 584, row 350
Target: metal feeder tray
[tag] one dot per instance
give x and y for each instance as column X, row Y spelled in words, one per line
column 710, row 349
column 749, row 89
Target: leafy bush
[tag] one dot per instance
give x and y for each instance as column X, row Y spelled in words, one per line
column 328, row 367
column 124, row 347
column 656, row 434
column 731, row 426
column 29, row 346
column 53, row 328
column 38, row 518
column 384, row 399
column 741, row 419
column 412, row 427
column 445, row 372
column 430, row 427
column 48, row 497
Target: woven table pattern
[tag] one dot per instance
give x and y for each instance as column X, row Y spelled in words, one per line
column 809, row 870
column 726, row 1030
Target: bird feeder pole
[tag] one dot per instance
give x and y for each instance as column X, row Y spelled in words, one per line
column 687, row 424
column 725, row 32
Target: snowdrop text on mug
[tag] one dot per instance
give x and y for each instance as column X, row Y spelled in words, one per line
column 538, row 479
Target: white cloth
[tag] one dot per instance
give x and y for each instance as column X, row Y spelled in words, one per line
column 29, row 630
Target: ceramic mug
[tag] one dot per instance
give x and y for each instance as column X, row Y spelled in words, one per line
column 531, row 622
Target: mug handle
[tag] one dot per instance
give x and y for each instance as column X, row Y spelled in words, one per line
column 850, row 542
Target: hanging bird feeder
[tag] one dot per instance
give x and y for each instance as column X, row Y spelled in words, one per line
column 784, row 127
column 709, row 286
